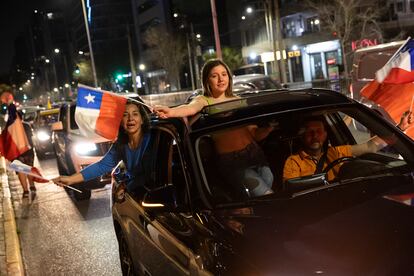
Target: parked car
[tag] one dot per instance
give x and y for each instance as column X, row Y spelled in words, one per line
column 42, row 132
column 74, row 151
column 185, row 219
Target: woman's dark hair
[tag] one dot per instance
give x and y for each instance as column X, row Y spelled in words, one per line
column 205, row 73
column 122, row 139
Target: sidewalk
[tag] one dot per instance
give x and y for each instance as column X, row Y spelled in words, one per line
column 10, row 254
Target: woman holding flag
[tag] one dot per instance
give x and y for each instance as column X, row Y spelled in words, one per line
column 133, row 138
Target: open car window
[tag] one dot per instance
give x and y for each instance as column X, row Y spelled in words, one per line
column 234, row 176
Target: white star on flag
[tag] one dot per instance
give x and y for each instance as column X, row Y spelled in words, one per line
column 90, row 98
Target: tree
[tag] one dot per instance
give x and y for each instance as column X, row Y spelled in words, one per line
column 232, row 57
column 348, row 20
column 167, row 51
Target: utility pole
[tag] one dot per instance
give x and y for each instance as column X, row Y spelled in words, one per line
column 132, row 62
column 95, row 80
column 278, row 44
column 190, row 64
column 216, row 30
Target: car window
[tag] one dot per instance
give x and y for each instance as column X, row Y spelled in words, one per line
column 348, row 130
column 73, row 124
column 162, row 165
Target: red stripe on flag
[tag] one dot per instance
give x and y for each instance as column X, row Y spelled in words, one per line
column 394, row 98
column 370, row 89
column 110, row 116
column 398, row 76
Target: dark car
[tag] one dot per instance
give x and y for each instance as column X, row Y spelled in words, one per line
column 74, row 151
column 42, row 132
column 184, row 217
column 245, row 84
column 254, row 82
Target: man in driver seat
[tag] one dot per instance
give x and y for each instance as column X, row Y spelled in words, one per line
column 317, row 154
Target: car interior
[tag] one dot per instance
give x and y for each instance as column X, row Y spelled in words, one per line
column 284, row 141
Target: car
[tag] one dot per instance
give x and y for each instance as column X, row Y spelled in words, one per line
column 30, row 112
column 184, row 218
column 74, row 151
column 245, row 84
column 42, row 133
column 254, row 82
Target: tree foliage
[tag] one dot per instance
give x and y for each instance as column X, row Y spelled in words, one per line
column 348, row 20
column 167, row 51
column 231, row 56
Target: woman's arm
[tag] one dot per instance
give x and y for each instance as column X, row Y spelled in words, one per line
column 259, row 133
column 105, row 165
column 68, row 180
column 182, row 110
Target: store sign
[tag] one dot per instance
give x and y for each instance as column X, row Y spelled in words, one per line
column 292, row 54
column 363, row 43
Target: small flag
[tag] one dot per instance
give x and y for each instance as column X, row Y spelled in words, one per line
column 13, row 137
column 407, row 199
column 98, row 112
column 18, row 166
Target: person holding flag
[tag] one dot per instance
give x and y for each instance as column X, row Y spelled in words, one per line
column 131, row 132
column 393, row 86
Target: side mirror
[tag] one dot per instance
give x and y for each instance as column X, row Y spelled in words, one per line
column 299, row 184
column 57, row 126
column 162, row 199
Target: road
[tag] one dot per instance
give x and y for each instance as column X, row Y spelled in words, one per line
column 60, row 236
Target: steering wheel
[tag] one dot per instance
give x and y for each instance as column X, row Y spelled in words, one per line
column 337, row 162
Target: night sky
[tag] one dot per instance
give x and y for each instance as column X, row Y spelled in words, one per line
column 13, row 17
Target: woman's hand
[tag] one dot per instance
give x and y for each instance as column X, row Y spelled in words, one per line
column 162, row 111
column 68, row 180
column 406, row 120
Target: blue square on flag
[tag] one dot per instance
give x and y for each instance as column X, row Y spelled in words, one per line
column 89, row 98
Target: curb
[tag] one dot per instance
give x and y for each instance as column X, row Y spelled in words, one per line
column 13, row 254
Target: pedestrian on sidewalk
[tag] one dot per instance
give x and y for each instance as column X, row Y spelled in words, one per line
column 28, row 159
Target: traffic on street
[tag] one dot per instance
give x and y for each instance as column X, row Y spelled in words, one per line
column 176, row 137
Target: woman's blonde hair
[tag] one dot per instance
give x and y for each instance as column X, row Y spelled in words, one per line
column 205, row 73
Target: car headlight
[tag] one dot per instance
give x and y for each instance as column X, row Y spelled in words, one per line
column 43, row 135
column 84, row 148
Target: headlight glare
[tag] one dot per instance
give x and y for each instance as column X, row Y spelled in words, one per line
column 84, row 148
column 43, row 136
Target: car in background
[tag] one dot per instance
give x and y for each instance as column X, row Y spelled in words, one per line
column 254, row 82
column 74, row 151
column 30, row 112
column 183, row 216
column 254, row 68
column 367, row 61
column 42, row 132
column 244, row 84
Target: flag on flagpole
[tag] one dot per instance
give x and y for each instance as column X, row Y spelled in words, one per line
column 98, row 112
column 393, row 87
column 14, row 141
column 18, row 166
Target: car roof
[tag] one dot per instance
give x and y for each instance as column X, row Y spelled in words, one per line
column 49, row 111
column 248, row 77
column 260, row 103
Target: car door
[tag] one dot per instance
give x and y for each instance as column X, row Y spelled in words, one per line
column 60, row 141
column 156, row 239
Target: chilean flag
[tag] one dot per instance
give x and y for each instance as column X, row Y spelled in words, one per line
column 98, row 112
column 393, row 86
column 13, row 140
column 18, row 166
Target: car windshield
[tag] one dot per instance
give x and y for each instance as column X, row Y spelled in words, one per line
column 284, row 160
